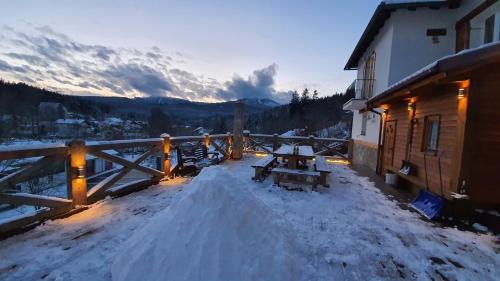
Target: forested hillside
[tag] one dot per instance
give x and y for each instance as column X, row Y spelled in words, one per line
column 305, row 111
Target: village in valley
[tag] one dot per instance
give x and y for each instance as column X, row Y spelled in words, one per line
column 119, row 163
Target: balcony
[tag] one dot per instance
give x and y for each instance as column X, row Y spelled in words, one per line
column 363, row 90
column 354, row 104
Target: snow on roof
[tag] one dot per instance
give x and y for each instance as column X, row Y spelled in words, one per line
column 70, row 121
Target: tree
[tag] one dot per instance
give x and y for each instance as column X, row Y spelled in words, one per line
column 294, row 104
column 315, row 95
column 305, row 96
column 159, row 122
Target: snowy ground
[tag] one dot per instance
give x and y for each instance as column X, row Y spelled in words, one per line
column 350, row 232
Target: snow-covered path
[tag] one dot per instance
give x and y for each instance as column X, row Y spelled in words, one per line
column 351, row 231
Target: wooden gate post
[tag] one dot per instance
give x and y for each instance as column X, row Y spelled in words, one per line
column 238, row 131
column 75, row 172
column 206, row 143
column 229, row 144
column 275, row 142
column 166, row 154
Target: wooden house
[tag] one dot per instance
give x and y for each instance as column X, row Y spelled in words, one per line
column 441, row 128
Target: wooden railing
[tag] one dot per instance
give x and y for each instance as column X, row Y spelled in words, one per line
column 268, row 143
column 79, row 193
column 74, row 154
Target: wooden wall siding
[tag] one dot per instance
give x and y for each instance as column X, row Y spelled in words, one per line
column 435, row 100
column 482, row 159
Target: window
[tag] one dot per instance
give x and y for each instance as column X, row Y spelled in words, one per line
column 489, row 27
column 364, row 120
column 431, row 133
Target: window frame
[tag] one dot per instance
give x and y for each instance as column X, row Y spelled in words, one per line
column 427, row 133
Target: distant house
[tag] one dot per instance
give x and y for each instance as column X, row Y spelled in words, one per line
column 72, row 127
column 95, row 165
column 425, row 107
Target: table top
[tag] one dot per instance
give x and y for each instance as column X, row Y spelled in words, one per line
column 287, row 150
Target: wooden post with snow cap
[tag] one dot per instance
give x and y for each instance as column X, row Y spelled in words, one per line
column 206, row 143
column 229, row 144
column 238, row 131
column 166, row 154
column 76, row 180
column 275, row 142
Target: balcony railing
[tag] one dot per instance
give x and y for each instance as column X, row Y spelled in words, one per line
column 364, row 88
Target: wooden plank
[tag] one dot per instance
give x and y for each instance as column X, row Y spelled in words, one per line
column 27, row 172
column 121, row 144
column 18, row 152
column 219, row 149
column 27, row 220
column 127, row 163
column 130, row 187
column 34, row 200
column 95, row 192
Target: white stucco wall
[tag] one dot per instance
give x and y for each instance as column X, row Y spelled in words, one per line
column 412, row 49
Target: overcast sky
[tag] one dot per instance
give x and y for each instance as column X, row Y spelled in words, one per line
column 198, row 50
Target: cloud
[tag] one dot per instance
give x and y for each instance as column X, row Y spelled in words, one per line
column 258, row 85
column 63, row 64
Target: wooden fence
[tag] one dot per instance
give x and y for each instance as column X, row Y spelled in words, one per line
column 79, row 194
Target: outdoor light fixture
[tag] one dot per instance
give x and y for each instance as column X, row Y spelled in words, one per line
column 411, row 106
column 80, row 172
column 461, row 93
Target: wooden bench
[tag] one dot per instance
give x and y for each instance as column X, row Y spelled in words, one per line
column 295, row 176
column 262, row 167
column 322, row 167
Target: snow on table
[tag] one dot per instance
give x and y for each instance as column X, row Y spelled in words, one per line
column 304, row 150
column 348, row 232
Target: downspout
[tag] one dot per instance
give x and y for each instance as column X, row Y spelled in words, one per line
column 379, row 147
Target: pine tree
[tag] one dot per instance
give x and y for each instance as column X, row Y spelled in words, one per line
column 315, row 95
column 305, row 96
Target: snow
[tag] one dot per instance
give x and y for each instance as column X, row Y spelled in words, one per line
column 350, row 231
column 480, row 227
column 304, row 150
column 206, row 242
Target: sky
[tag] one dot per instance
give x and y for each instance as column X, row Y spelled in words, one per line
column 198, row 50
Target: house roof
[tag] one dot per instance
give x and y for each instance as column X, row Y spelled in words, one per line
column 381, row 14
column 469, row 58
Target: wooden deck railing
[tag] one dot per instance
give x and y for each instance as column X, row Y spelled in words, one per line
column 74, row 154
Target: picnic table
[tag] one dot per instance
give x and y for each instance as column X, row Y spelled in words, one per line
column 286, row 152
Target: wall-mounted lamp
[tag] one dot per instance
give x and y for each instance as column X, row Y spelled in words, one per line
column 411, row 106
column 80, row 172
column 461, row 93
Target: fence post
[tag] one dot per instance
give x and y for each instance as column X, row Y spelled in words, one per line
column 275, row 142
column 246, row 139
column 75, row 172
column 229, row 144
column 238, row 125
column 206, row 143
column 166, row 154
